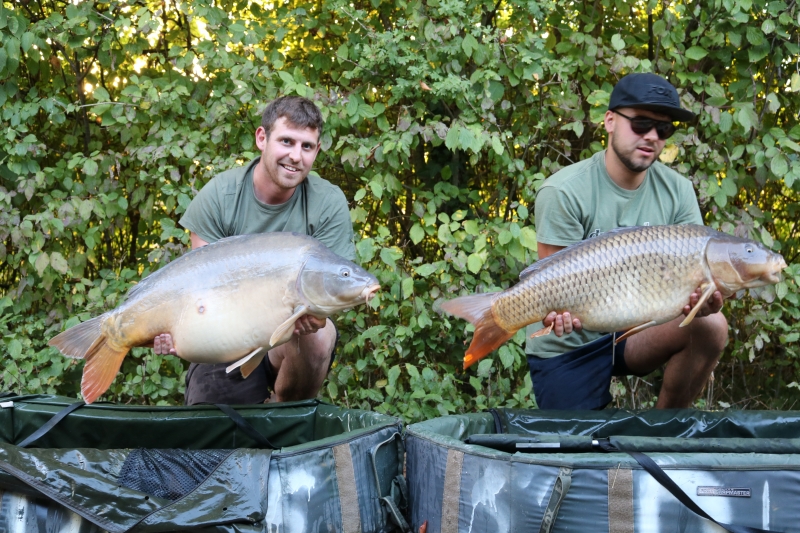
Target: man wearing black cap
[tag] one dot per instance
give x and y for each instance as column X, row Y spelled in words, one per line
column 623, row 186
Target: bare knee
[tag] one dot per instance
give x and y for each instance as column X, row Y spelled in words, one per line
column 712, row 331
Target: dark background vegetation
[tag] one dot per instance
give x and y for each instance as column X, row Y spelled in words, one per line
column 443, row 118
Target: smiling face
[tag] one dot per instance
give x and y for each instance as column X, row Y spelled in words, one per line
column 637, row 152
column 287, row 155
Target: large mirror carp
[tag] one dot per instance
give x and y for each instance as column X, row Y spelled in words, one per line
column 229, row 301
column 627, row 279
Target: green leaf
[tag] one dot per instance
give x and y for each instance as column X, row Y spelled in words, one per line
column 527, row 237
column 89, row 167
column 393, row 374
column 453, row 133
column 101, row 95
column 696, row 53
column 390, row 256
column 485, row 367
column 366, row 249
column 779, row 165
column 471, row 227
column 27, row 41
column 426, row 270
column 58, row 263
column 474, row 263
column 506, row 356
column 497, row 145
column 747, row 117
column 14, row 348
column 416, row 233
column 469, row 44
column 617, row 42
column 408, row 287
column 41, row 263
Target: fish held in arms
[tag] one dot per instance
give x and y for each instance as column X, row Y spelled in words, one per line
column 627, row 279
column 227, row 302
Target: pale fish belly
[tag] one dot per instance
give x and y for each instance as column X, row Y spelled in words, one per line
column 222, row 327
column 610, row 286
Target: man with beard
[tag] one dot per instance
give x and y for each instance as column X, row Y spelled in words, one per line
column 623, row 186
column 275, row 192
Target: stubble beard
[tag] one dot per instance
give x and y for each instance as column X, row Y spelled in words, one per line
column 629, row 163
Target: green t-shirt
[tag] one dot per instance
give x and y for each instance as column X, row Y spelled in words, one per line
column 581, row 201
column 228, row 206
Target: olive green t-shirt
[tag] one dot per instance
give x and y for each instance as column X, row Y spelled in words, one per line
column 581, row 201
column 228, row 206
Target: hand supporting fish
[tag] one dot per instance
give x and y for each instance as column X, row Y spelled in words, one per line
column 564, row 324
column 628, row 279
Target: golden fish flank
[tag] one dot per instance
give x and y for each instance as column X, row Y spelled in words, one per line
column 227, row 302
column 624, row 280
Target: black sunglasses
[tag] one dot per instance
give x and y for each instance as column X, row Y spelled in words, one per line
column 642, row 125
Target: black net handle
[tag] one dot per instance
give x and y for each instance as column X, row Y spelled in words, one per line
column 245, row 426
column 50, row 424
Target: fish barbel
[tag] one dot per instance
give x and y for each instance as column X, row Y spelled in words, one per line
column 627, row 279
column 229, row 301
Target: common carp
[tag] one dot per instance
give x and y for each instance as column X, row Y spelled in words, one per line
column 229, row 301
column 627, row 279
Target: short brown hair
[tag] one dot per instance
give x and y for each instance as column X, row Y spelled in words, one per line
column 298, row 111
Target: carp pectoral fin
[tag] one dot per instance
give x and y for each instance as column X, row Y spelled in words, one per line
column 285, row 330
column 542, row 332
column 707, row 292
column 634, row 330
column 102, row 365
column 243, row 362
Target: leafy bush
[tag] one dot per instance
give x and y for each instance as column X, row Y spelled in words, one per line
column 442, row 119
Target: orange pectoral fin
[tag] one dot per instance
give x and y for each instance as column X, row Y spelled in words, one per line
column 634, row 330
column 102, row 364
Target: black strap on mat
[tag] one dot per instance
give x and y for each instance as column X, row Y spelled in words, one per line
column 47, row 426
column 659, row 475
column 245, row 426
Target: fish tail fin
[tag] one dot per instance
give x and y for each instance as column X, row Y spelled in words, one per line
column 102, row 364
column 78, row 340
column 86, row 341
column 489, row 335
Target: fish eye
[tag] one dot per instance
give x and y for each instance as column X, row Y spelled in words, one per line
column 749, row 249
column 345, row 273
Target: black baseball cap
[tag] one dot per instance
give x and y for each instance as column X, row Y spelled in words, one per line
column 648, row 91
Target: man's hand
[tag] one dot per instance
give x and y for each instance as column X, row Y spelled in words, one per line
column 562, row 323
column 162, row 345
column 712, row 305
column 308, row 324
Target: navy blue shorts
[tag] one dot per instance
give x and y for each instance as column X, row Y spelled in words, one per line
column 579, row 379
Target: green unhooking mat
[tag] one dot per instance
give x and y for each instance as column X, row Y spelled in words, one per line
column 615, row 471
column 293, row 467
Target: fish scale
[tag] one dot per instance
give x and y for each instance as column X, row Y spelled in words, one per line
column 622, row 279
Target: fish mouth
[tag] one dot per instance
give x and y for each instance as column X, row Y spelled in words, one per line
column 369, row 292
column 775, row 276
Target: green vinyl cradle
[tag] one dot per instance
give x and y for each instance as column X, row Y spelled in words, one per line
column 559, row 471
column 291, row 467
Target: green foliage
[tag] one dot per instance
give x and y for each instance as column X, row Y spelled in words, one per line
column 442, row 119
